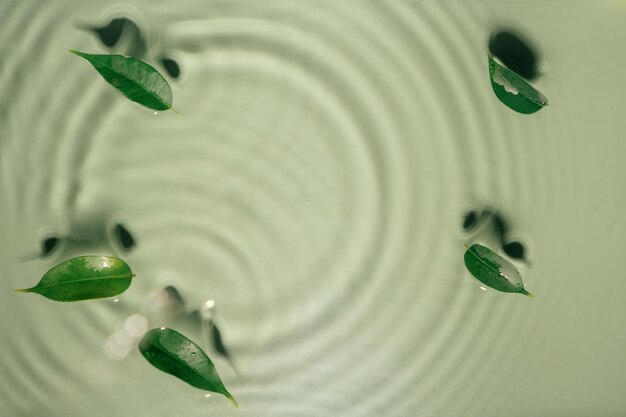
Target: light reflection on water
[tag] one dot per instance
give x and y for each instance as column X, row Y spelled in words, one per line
column 314, row 187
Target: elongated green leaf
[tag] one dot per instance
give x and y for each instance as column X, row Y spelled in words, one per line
column 173, row 353
column 84, row 278
column 493, row 270
column 514, row 91
column 137, row 80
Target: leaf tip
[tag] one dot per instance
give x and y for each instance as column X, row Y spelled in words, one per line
column 526, row 293
column 232, row 400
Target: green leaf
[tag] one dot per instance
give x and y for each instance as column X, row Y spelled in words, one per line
column 493, row 270
column 137, row 80
column 84, row 278
column 173, row 353
column 512, row 90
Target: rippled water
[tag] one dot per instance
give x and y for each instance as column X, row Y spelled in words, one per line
column 314, row 188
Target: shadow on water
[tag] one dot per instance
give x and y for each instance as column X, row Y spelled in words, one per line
column 515, row 52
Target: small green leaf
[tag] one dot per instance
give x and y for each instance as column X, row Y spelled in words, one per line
column 173, row 353
column 84, row 278
column 514, row 91
column 137, row 80
column 493, row 270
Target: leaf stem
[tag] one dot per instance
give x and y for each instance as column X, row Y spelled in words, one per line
column 23, row 290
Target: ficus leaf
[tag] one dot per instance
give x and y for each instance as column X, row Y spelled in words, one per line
column 84, row 278
column 512, row 90
column 173, row 353
column 493, row 270
column 138, row 81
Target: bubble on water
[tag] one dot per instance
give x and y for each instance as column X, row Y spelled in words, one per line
column 162, row 328
column 207, row 395
column 483, row 288
column 116, row 300
column 118, row 345
column 136, row 325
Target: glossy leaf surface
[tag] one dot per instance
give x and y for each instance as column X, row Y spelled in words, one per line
column 84, row 278
column 138, row 81
column 493, row 270
column 512, row 90
column 173, row 353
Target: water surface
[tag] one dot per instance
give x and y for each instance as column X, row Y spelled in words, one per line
column 314, row 188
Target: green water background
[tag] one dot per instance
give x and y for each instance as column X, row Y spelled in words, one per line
column 314, row 186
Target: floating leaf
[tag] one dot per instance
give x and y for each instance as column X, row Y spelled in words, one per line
column 137, row 80
column 84, row 278
column 514, row 91
column 493, row 270
column 173, row 353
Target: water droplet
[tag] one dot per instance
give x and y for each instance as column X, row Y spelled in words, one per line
column 483, row 288
column 207, row 395
column 116, row 300
column 155, row 113
column 162, row 328
column 193, row 353
column 207, row 310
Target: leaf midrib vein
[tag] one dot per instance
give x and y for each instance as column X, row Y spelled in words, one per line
column 485, row 263
column 58, row 284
